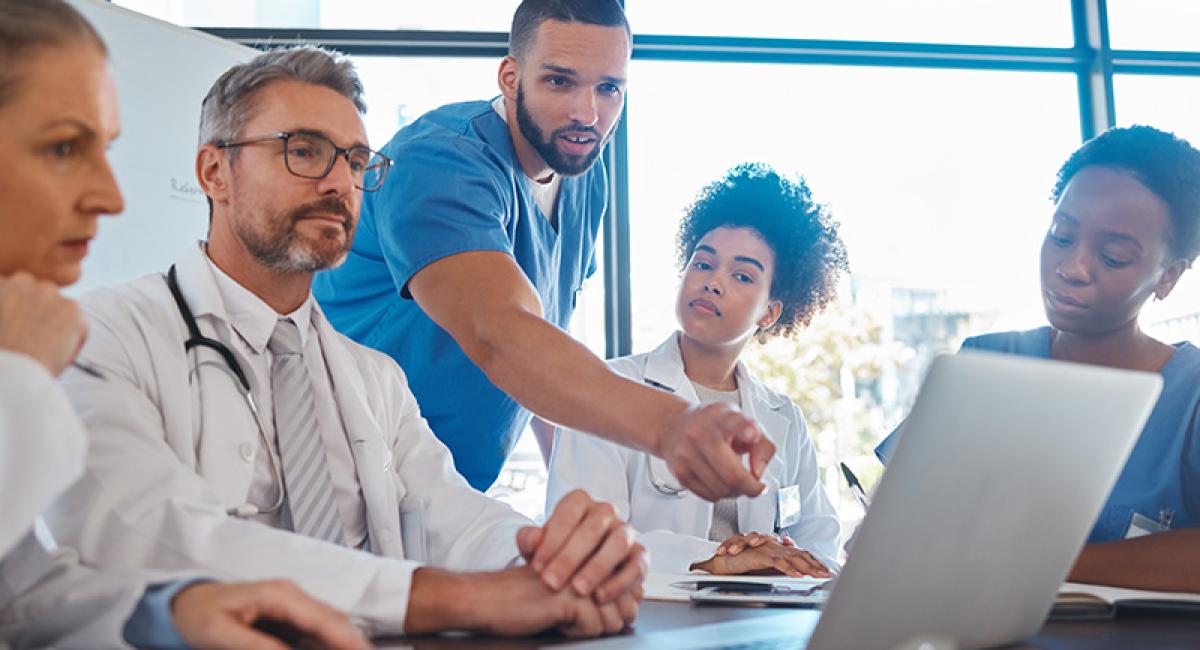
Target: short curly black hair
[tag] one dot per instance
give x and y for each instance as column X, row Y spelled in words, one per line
column 809, row 254
column 1166, row 165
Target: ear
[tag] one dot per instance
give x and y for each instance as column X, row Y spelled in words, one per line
column 508, row 76
column 771, row 315
column 1170, row 276
column 212, row 171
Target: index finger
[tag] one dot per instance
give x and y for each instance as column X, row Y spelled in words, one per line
column 761, row 454
column 724, row 458
column 748, row 438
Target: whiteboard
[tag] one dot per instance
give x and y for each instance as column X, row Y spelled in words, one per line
column 163, row 71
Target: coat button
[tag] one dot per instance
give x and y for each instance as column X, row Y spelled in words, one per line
column 247, row 452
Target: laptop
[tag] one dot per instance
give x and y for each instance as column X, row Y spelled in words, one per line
column 1001, row 470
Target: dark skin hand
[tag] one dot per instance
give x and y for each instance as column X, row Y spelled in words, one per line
column 1166, row 561
column 761, row 554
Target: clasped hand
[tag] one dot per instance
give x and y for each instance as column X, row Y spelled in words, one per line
column 763, row 554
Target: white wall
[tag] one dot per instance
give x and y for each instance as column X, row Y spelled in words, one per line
column 163, row 72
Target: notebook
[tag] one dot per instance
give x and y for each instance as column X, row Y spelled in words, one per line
column 1088, row 602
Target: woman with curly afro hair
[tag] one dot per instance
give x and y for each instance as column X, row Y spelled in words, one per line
column 759, row 258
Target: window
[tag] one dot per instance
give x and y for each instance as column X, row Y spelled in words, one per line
column 461, row 15
column 1153, row 24
column 939, row 178
column 991, row 22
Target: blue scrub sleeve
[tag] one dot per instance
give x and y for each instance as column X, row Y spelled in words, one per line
column 440, row 199
column 885, row 449
column 151, row 625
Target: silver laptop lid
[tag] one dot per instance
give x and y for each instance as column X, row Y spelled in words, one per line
column 1002, row 467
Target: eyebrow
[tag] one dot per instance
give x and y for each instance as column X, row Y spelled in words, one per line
column 705, row 248
column 750, row 260
column 572, row 72
column 303, row 131
column 1108, row 234
column 1065, row 217
column 71, row 121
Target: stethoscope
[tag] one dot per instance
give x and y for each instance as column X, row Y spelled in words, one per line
column 198, row 340
column 664, row 488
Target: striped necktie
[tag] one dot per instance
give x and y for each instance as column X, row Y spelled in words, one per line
column 309, row 488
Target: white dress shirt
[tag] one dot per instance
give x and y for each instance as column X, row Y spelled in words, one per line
column 254, row 320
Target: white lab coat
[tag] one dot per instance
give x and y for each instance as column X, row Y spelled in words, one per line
column 46, row 597
column 675, row 528
column 173, row 448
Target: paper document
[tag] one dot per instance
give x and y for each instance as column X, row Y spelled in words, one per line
column 679, row 587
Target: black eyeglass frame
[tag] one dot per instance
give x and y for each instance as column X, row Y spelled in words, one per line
column 338, row 152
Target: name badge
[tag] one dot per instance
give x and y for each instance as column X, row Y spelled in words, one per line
column 787, row 507
column 1142, row 525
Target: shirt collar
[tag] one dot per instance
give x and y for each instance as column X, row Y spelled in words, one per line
column 252, row 319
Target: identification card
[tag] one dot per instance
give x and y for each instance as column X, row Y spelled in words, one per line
column 787, row 508
column 1142, row 525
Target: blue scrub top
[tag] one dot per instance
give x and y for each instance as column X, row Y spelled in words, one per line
column 1163, row 471
column 456, row 186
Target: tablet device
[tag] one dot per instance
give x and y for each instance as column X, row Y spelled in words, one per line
column 733, row 593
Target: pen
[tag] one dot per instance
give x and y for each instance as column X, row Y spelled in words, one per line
column 856, row 487
column 83, row 367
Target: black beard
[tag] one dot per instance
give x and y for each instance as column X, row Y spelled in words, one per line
column 565, row 165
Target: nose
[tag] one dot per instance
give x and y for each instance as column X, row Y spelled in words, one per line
column 583, row 108
column 712, row 287
column 1073, row 268
column 104, row 197
column 340, row 180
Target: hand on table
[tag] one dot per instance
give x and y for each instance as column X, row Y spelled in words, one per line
column 759, row 554
column 512, row 602
column 223, row 615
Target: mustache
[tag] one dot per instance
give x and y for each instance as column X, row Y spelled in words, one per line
column 325, row 205
column 576, row 128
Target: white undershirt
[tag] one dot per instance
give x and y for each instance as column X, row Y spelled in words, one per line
column 254, row 320
column 725, row 519
column 545, row 194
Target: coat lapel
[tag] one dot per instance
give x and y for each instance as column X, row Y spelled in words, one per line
column 226, row 426
column 369, row 445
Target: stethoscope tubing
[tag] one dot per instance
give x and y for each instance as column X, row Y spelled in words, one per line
column 196, row 339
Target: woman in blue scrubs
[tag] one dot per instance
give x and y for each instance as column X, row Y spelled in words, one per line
column 1126, row 226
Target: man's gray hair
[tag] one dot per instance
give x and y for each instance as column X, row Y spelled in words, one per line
column 230, row 102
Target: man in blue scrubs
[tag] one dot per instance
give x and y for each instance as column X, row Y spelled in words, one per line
column 467, row 262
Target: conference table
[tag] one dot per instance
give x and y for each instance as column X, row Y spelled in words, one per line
column 1140, row 632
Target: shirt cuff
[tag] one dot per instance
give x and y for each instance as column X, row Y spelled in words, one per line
column 151, row 625
column 384, row 604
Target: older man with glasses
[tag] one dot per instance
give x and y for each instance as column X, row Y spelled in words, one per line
column 235, row 431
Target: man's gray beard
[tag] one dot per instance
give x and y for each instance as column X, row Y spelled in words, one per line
column 287, row 253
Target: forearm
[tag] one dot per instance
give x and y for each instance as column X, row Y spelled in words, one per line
column 559, row 379
column 440, row 601
column 1167, row 561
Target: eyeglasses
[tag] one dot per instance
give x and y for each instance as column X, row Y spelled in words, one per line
column 312, row 155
